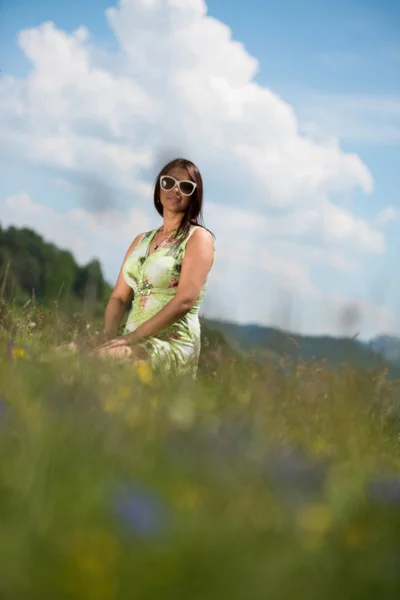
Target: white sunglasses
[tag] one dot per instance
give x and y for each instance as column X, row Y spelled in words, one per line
column 186, row 187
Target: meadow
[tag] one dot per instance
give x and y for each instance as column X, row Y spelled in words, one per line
column 253, row 482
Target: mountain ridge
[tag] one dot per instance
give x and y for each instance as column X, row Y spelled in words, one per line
column 260, row 340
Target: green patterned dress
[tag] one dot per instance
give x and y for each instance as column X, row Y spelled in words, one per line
column 154, row 279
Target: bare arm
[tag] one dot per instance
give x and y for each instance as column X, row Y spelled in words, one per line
column 119, row 299
column 196, row 264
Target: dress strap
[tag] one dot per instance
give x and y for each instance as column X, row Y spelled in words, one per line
column 185, row 241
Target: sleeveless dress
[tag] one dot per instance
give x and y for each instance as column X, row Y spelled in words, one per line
column 154, row 279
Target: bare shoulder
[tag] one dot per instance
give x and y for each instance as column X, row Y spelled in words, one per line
column 200, row 248
column 201, row 236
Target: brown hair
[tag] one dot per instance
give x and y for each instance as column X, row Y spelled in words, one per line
column 193, row 215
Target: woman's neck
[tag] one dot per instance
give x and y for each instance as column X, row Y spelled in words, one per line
column 170, row 225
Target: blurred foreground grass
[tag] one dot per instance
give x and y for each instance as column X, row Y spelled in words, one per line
column 250, row 483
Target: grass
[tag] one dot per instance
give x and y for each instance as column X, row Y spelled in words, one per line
column 250, row 483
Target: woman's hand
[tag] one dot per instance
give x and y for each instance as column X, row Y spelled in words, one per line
column 129, row 339
column 92, row 340
column 87, row 342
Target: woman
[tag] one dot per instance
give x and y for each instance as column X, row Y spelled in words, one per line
column 165, row 271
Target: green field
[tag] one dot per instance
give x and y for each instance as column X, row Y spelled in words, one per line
column 254, row 482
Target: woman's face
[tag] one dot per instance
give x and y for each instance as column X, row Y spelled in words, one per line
column 172, row 199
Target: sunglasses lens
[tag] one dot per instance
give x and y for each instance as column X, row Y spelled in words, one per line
column 167, row 183
column 186, row 187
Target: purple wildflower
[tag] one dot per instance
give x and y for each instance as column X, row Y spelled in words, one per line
column 293, row 475
column 385, row 490
column 142, row 511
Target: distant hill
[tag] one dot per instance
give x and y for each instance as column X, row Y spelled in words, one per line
column 388, row 346
column 30, row 266
column 270, row 342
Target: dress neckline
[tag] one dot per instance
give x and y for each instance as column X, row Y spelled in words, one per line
column 153, row 235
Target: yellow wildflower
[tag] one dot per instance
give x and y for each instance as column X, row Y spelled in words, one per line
column 320, row 446
column 315, row 518
column 91, row 561
column 355, row 536
column 18, row 352
column 114, row 401
column 144, row 371
column 186, row 497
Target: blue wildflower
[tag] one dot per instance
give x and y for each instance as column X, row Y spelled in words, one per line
column 385, row 490
column 231, row 439
column 294, row 476
column 142, row 511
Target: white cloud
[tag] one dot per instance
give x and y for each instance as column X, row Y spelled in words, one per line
column 350, row 317
column 182, row 76
column 333, row 226
column 88, row 235
column 362, row 118
column 387, row 215
column 180, row 81
column 339, row 224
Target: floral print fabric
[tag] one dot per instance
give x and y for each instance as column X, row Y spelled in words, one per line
column 154, row 278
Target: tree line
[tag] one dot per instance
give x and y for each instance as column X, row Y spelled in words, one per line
column 31, row 267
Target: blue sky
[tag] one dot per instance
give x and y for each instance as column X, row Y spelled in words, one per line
column 338, row 66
